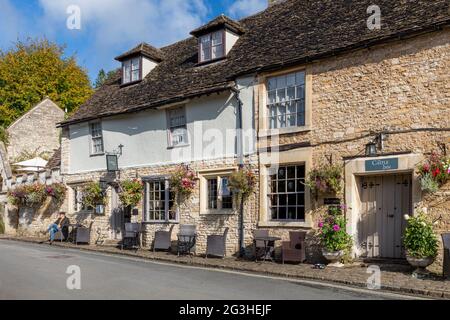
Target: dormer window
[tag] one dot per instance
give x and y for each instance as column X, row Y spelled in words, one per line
column 217, row 38
column 212, row 46
column 131, row 70
column 139, row 62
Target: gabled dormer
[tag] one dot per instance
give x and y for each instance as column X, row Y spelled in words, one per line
column 216, row 38
column 138, row 62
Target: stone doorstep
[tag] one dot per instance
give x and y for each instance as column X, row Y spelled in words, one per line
column 407, row 285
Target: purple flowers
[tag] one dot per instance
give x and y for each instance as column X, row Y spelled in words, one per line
column 320, row 224
column 336, row 228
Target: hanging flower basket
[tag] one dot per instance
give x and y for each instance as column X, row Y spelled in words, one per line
column 57, row 191
column 93, row 195
column 131, row 192
column 325, row 180
column 242, row 183
column 434, row 172
column 32, row 196
column 183, row 181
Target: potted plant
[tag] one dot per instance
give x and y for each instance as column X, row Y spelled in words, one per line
column 434, row 172
column 32, row 196
column 130, row 192
column 334, row 239
column 94, row 197
column 420, row 242
column 325, row 180
column 182, row 182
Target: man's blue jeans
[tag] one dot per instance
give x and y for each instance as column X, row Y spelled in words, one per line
column 53, row 229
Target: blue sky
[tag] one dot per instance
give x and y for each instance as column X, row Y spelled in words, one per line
column 111, row 27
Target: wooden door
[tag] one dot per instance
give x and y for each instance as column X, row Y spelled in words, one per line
column 384, row 201
column 117, row 217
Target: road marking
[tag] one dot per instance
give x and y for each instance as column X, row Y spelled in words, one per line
column 313, row 283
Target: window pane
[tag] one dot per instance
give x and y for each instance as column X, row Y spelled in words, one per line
column 217, row 52
column 300, row 77
column 216, row 38
column 272, row 96
column 212, row 193
column 135, row 75
column 135, row 64
column 272, row 84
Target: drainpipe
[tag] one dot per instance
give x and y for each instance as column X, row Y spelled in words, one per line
column 240, row 154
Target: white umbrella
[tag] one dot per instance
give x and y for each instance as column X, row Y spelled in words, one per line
column 37, row 162
column 29, row 169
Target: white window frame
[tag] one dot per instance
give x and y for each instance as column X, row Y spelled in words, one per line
column 174, row 130
column 127, row 75
column 286, row 193
column 77, row 204
column 207, row 42
column 93, row 138
column 204, row 192
column 147, row 198
column 286, row 93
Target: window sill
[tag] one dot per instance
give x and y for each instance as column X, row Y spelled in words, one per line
column 178, row 146
column 284, row 224
column 97, row 154
column 161, row 222
column 228, row 212
column 277, row 132
column 122, row 85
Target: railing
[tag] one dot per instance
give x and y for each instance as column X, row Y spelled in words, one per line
column 46, row 177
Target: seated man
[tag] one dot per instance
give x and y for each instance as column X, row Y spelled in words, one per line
column 59, row 225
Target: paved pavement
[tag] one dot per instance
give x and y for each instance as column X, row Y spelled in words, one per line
column 30, row 271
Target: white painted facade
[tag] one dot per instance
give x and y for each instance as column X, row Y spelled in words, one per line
column 211, row 124
column 147, row 66
column 230, row 40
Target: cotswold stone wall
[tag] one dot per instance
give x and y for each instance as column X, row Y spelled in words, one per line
column 189, row 209
column 36, row 131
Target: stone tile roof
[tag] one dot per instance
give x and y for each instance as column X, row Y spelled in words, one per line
column 55, row 161
column 292, row 32
column 146, row 50
column 220, row 21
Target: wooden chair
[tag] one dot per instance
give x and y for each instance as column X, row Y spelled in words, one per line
column 446, row 262
column 294, row 250
column 163, row 239
column 216, row 244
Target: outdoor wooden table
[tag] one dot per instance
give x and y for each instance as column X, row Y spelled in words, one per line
column 269, row 247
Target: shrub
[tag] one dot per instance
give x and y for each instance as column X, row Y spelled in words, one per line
column 420, row 240
column 332, row 233
column 57, row 191
column 242, row 183
column 93, row 195
column 131, row 192
column 327, row 179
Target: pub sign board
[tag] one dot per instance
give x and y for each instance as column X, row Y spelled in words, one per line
column 382, row 164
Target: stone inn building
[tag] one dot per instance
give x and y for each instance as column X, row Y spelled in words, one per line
column 292, row 88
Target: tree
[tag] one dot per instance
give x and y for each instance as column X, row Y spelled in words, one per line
column 34, row 69
column 102, row 77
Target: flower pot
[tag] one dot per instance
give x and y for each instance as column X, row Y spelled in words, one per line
column 420, row 264
column 334, row 257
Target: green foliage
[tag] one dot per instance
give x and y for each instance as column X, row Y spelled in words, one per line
column 4, row 136
column 93, row 195
column 242, row 183
column 434, row 172
column 333, row 236
column 58, row 193
column 103, row 77
column 183, row 181
column 327, row 179
column 420, row 240
column 131, row 192
column 28, row 195
column 34, row 69
column 2, row 225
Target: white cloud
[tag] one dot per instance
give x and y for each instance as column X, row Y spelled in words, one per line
column 243, row 8
column 124, row 21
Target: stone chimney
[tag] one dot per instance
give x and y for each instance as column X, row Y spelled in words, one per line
column 274, row 2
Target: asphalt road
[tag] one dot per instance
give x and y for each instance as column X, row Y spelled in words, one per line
column 30, row 271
